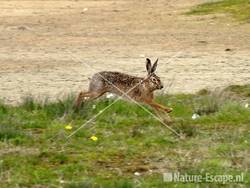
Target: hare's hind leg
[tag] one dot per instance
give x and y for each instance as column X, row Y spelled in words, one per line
column 89, row 95
column 81, row 97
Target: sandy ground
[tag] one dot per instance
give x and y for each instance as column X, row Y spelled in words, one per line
column 50, row 48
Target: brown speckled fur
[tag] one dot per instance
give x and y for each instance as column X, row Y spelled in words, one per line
column 137, row 88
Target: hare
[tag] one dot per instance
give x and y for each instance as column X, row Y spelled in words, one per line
column 137, row 88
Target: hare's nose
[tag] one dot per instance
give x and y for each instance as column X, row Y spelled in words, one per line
column 161, row 86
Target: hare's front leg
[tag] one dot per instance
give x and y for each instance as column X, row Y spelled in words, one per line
column 161, row 107
column 158, row 106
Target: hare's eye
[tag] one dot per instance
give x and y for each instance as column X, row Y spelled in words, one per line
column 154, row 80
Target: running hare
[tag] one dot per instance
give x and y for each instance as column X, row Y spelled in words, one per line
column 137, row 88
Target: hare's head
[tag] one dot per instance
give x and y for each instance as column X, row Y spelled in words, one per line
column 153, row 80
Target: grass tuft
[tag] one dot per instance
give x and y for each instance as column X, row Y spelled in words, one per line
column 239, row 9
column 240, row 90
column 13, row 134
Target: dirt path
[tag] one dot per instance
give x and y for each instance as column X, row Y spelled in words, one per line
column 41, row 43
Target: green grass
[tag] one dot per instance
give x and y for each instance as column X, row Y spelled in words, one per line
column 35, row 150
column 239, row 9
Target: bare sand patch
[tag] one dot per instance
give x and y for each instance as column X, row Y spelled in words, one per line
column 43, row 42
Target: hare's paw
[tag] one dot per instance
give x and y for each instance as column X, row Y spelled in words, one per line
column 168, row 110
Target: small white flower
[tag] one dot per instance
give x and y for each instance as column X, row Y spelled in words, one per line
column 137, row 174
column 246, row 105
column 110, row 95
column 195, row 116
column 62, row 181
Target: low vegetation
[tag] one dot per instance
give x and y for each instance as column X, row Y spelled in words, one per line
column 124, row 146
column 239, row 9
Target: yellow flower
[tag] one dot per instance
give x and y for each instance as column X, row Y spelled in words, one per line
column 94, row 138
column 68, row 127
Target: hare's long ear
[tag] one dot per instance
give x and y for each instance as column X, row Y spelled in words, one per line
column 148, row 65
column 154, row 66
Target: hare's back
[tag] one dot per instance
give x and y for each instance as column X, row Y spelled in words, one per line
column 116, row 78
column 113, row 78
column 108, row 81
